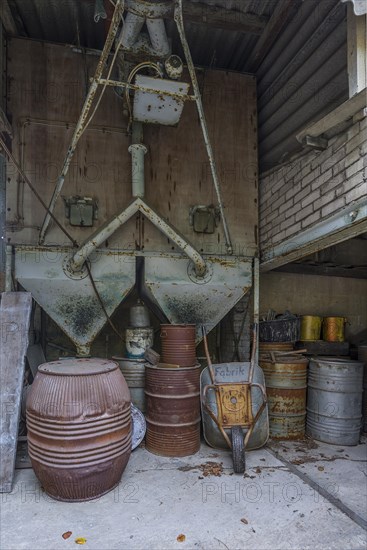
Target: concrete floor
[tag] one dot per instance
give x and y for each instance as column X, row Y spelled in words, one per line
column 296, row 495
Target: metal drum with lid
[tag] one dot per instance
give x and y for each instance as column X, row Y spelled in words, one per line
column 334, row 400
column 79, row 427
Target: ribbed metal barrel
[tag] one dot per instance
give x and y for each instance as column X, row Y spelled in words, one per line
column 173, row 410
column 286, row 386
column 362, row 356
column 134, row 374
column 267, row 347
column 333, row 329
column 79, row 427
column 178, row 345
column 334, row 400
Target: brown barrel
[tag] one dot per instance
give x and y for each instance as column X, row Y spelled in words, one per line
column 79, row 427
column 178, row 345
column 267, row 347
column 173, row 410
column 362, row 356
column 286, row 386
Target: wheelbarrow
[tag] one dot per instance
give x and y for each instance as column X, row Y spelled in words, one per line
column 234, row 406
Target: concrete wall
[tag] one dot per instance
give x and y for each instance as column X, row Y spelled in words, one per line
column 313, row 187
column 318, row 295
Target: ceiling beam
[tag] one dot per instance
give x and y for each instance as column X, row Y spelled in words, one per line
column 280, row 17
column 7, row 18
column 222, row 18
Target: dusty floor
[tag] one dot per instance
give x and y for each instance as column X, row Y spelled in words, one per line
column 293, row 496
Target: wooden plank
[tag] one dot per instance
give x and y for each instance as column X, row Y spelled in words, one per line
column 7, row 18
column 15, row 311
column 346, row 110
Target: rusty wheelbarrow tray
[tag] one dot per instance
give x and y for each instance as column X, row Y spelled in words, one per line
column 234, row 407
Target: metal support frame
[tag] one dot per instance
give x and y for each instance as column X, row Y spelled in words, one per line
column 181, row 30
column 80, row 127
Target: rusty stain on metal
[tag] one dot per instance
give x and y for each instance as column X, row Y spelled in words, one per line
column 178, row 344
column 286, row 385
column 79, row 427
column 173, row 410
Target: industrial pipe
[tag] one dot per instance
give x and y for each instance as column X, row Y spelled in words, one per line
column 81, row 255
column 158, row 36
column 131, row 29
column 138, row 151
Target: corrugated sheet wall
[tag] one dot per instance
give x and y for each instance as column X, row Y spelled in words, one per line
column 303, row 77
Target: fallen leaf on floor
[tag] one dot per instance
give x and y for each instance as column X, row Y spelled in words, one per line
column 181, row 538
column 297, row 461
column 321, row 468
column 263, row 459
column 66, row 535
column 258, row 470
column 244, row 520
column 80, row 540
column 212, row 469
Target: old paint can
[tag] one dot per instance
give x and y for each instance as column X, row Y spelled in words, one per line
column 362, row 356
column 138, row 340
column 310, row 327
column 79, row 427
column 286, row 386
column 334, row 400
column 173, row 410
column 134, row 374
column 333, row 329
column 178, row 345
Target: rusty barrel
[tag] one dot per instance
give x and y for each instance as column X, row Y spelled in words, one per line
column 178, row 345
column 79, row 427
column 134, row 374
column 173, row 410
column 286, row 387
column 333, row 329
column 334, row 400
column 362, row 356
column 267, row 347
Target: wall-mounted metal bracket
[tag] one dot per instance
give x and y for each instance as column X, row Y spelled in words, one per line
column 81, row 211
column 204, row 219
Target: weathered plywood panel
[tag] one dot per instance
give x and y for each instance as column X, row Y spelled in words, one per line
column 15, row 310
column 47, row 85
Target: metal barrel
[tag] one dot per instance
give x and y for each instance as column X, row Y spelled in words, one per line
column 178, row 345
column 310, row 327
column 333, row 329
column 133, row 371
column 267, row 347
column 79, row 427
column 173, row 410
column 362, row 356
column 334, row 400
column 286, row 386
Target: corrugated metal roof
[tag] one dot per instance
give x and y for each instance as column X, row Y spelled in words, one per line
column 303, row 75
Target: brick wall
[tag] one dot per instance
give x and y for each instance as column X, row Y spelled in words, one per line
column 313, row 187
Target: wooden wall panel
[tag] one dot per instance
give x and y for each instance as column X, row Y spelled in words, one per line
column 47, row 84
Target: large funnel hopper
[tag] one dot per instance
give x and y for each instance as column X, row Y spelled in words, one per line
column 72, row 302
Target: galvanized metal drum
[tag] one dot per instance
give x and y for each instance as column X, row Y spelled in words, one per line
column 286, row 387
column 134, row 374
column 173, row 410
column 334, row 400
column 178, row 345
column 79, row 427
column 362, row 356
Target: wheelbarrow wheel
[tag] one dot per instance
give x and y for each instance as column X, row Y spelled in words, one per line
column 238, row 450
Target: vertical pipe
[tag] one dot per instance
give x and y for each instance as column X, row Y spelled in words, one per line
column 8, row 268
column 138, row 151
column 130, row 31
column 158, row 36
